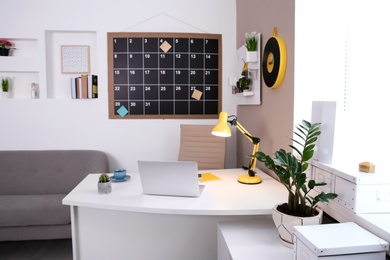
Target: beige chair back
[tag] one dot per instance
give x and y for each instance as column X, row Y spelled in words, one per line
column 198, row 144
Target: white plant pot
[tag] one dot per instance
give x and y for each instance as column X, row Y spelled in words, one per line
column 251, row 56
column 285, row 224
column 104, row 188
column 6, row 94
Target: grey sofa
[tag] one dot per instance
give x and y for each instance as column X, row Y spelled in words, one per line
column 32, row 186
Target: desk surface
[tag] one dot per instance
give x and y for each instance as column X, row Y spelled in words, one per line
column 219, row 197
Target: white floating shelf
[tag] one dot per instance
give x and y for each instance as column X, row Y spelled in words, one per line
column 249, row 97
column 246, row 94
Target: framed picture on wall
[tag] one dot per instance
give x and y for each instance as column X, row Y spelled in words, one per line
column 75, row 59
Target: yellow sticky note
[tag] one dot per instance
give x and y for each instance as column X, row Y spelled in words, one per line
column 165, row 46
column 208, row 176
column 197, row 94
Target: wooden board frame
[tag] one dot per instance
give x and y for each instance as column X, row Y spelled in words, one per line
column 119, row 87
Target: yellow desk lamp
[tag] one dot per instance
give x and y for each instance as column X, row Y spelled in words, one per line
column 222, row 129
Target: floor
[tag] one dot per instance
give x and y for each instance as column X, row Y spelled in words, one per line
column 60, row 249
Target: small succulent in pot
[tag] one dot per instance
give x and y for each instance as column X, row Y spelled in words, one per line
column 104, row 178
column 104, row 184
column 5, row 84
column 244, row 83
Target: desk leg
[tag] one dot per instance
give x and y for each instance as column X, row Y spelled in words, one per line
column 75, row 238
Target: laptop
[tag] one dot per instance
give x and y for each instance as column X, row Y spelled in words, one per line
column 170, row 178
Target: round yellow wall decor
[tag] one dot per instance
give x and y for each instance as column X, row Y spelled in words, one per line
column 274, row 61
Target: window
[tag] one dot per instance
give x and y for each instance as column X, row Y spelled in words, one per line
column 343, row 54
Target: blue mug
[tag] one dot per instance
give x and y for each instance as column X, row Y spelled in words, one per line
column 119, row 174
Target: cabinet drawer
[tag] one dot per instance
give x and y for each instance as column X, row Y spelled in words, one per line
column 346, row 193
column 320, row 175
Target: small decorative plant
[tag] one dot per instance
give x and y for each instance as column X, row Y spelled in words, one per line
column 5, row 44
column 5, row 85
column 251, row 41
column 244, row 83
column 291, row 172
column 104, row 184
column 103, row 178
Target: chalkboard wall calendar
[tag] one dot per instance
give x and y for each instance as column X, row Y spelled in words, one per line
column 164, row 75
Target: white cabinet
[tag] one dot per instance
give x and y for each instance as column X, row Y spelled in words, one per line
column 340, row 241
column 357, row 192
column 254, row 239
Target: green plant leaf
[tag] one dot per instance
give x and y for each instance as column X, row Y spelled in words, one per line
column 310, row 147
column 311, row 140
column 314, row 132
column 306, row 123
column 299, row 135
column 307, row 155
column 304, row 188
column 311, row 184
column 300, row 179
column 305, row 166
column 295, row 149
column 320, row 183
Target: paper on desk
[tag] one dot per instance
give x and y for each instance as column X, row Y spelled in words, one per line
column 208, row 176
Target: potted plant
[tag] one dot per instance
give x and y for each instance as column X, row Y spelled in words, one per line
column 244, row 83
column 104, row 184
column 5, row 46
column 251, row 46
column 5, row 86
column 301, row 207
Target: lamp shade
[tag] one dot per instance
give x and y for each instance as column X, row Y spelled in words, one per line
column 222, row 128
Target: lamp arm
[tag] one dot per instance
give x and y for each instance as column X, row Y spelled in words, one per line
column 254, row 140
column 256, row 144
column 252, row 163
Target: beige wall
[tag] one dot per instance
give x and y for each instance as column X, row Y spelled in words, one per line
column 273, row 120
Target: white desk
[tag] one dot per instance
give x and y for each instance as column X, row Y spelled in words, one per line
column 127, row 224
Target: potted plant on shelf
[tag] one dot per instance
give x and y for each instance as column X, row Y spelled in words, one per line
column 245, row 82
column 5, row 46
column 251, row 46
column 104, row 184
column 301, row 207
column 5, row 87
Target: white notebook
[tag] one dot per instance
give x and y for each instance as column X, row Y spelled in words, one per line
column 170, row 178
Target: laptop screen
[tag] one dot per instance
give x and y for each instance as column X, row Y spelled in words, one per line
column 171, row 178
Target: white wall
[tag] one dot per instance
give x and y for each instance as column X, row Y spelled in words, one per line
column 63, row 123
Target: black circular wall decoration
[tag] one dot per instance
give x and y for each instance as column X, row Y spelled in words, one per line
column 274, row 61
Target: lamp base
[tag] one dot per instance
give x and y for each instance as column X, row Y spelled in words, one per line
column 247, row 179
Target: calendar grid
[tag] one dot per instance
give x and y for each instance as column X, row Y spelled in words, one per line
column 152, row 75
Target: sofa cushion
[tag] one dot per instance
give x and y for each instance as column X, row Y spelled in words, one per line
column 30, row 210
